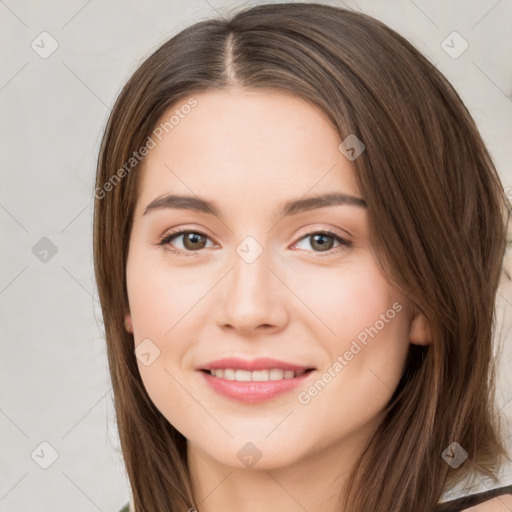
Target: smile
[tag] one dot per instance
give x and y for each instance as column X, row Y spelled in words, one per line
column 258, row 376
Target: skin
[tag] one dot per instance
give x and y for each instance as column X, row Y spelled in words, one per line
column 249, row 151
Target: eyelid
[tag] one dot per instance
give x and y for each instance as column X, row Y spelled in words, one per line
column 182, row 230
column 332, row 230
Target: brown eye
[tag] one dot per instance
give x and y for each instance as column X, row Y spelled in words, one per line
column 323, row 242
column 193, row 241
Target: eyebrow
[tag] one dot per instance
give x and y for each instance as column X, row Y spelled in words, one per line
column 292, row 207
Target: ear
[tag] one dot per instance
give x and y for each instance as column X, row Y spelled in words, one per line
column 128, row 323
column 420, row 332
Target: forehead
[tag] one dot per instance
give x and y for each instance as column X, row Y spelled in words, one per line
column 249, row 144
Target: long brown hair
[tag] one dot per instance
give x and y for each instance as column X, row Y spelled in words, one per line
column 437, row 214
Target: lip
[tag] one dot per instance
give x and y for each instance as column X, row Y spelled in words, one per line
column 254, row 391
column 261, row 363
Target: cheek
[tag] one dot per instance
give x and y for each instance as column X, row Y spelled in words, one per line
column 366, row 345
column 348, row 300
column 164, row 308
column 371, row 325
column 160, row 295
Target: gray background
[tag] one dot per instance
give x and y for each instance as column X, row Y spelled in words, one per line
column 55, row 385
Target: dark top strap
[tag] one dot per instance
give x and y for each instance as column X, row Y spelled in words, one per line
column 472, row 500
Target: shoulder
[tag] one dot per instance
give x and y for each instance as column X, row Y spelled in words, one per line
column 501, row 503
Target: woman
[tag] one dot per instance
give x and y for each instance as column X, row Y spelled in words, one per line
column 298, row 241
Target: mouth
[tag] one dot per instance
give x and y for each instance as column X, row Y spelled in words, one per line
column 253, row 381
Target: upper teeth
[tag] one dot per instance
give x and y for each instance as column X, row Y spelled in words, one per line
column 260, row 375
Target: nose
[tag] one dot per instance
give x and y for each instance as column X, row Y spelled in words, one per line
column 252, row 298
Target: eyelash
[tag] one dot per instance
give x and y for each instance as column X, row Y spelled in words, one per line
column 165, row 241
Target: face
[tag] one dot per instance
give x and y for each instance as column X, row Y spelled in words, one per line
column 244, row 279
